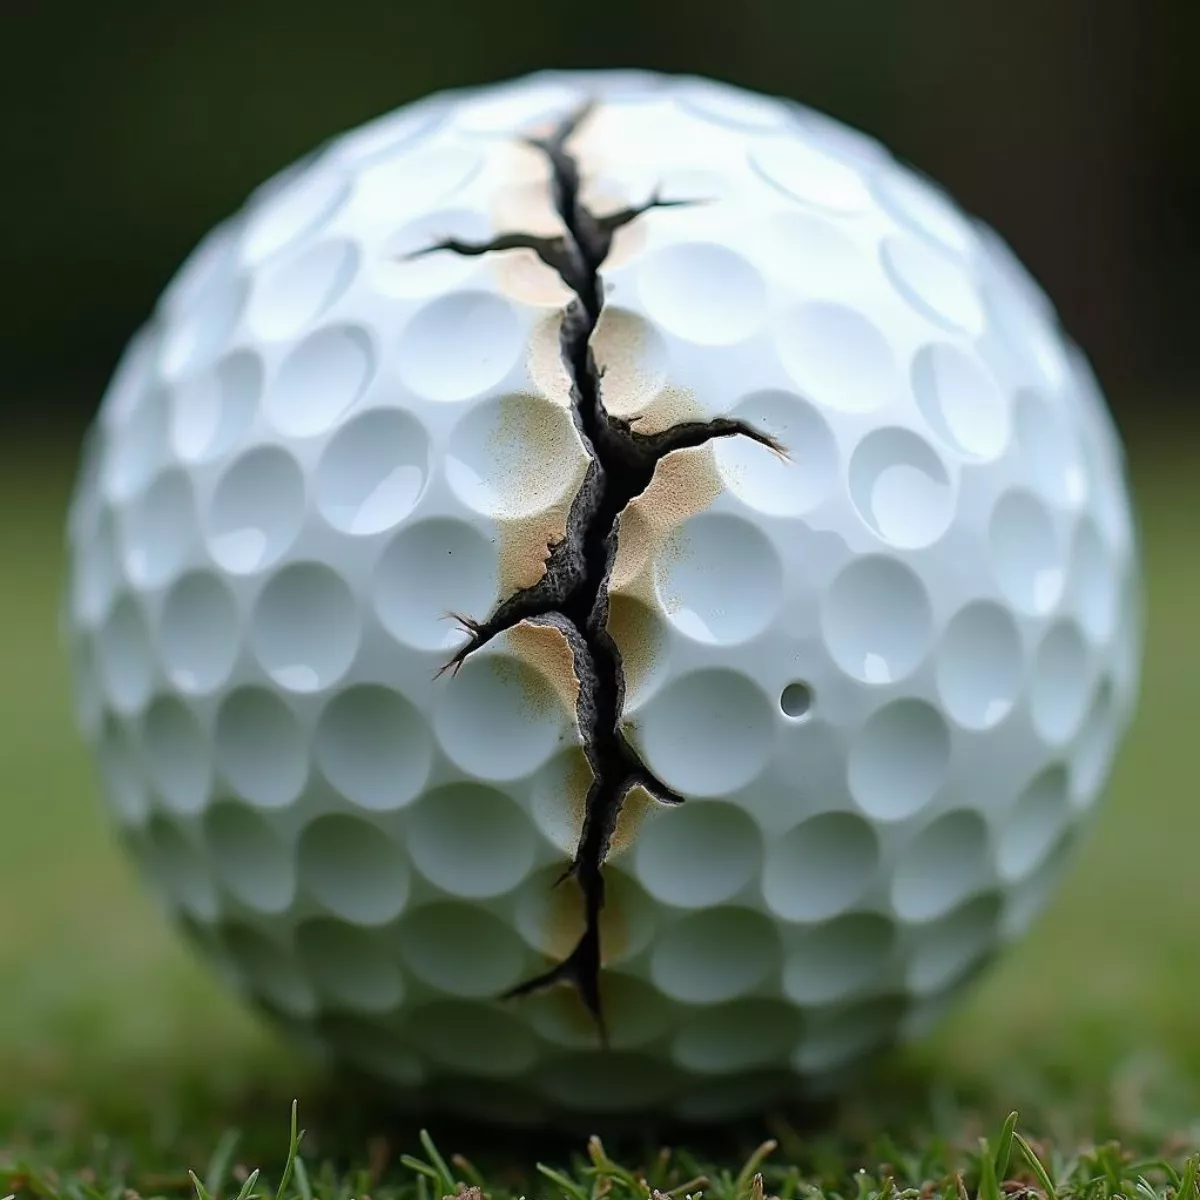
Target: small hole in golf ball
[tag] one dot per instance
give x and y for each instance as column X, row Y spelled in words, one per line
column 796, row 700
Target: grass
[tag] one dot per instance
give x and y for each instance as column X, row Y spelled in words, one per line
column 122, row 1064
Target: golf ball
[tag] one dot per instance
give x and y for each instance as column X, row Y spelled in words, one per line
column 603, row 592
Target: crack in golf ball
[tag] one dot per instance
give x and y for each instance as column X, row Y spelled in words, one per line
column 572, row 594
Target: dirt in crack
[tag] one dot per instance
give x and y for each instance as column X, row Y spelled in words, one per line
column 572, row 595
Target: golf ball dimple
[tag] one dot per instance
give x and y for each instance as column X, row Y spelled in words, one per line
column 887, row 671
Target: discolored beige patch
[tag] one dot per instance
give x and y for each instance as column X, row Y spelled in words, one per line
column 631, row 361
column 580, row 145
column 565, row 923
column 544, row 130
column 577, row 785
column 627, row 243
column 534, row 694
column 639, row 805
column 636, row 535
column 523, row 276
column 671, row 406
column 632, row 624
column 548, row 652
column 525, row 545
column 544, row 446
column 603, row 193
column 544, row 361
column 685, row 483
column 524, row 202
column 605, row 197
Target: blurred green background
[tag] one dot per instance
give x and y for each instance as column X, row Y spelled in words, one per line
column 129, row 130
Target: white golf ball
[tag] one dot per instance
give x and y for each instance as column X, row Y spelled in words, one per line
column 824, row 714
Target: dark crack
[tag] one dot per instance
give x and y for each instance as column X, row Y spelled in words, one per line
column 572, row 595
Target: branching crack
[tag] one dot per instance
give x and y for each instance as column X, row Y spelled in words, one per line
column 572, row 595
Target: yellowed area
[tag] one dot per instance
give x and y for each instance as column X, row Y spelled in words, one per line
column 604, row 194
column 585, row 126
column 546, row 464
column 603, row 198
column 524, row 201
column 565, row 923
column 578, row 783
column 639, row 804
column 685, row 483
column 524, row 204
column 628, row 241
column 632, row 624
column 525, row 546
column 632, row 383
column 670, row 406
column 544, row 360
column 636, row 537
column 547, row 651
column 534, row 432
column 522, row 275
column 629, row 380
column 531, row 690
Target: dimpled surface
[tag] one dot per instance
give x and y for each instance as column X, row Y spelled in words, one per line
column 888, row 674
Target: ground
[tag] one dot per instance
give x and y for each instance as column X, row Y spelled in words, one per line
column 123, row 1065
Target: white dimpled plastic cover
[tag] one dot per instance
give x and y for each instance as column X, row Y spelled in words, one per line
column 618, row 474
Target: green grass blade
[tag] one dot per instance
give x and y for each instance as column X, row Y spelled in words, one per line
column 1145, row 1189
column 989, row 1189
column 422, row 1168
column 445, row 1179
column 1004, row 1145
column 569, row 1186
column 606, row 1168
column 303, row 1185
column 466, row 1168
column 1189, row 1184
column 202, row 1193
column 294, row 1138
column 1143, row 1166
column 247, row 1188
column 1035, row 1165
column 744, row 1181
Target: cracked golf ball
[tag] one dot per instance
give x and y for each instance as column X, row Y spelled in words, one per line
column 608, row 589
